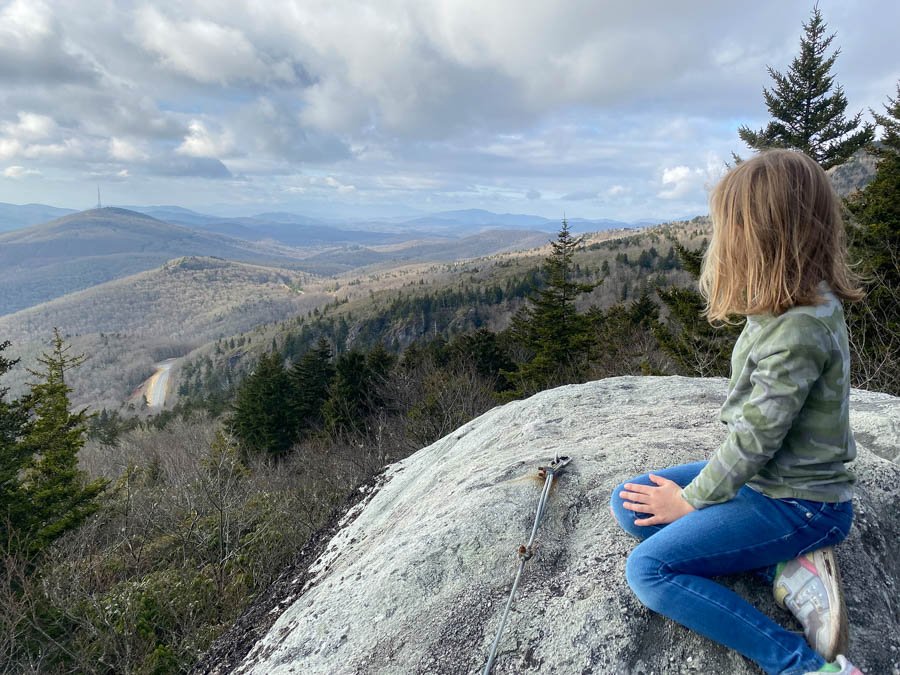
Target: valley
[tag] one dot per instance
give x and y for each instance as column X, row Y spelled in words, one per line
column 192, row 306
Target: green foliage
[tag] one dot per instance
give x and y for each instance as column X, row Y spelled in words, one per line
column 259, row 417
column 550, row 327
column 57, row 497
column 311, row 376
column 890, row 121
column 151, row 614
column 487, row 353
column 697, row 348
column 13, row 458
column 808, row 108
column 354, row 393
column 624, row 343
column 875, row 243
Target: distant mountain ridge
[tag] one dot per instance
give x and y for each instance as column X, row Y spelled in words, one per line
column 460, row 222
column 41, row 262
column 272, row 224
column 15, row 216
column 300, row 231
column 79, row 250
column 190, row 298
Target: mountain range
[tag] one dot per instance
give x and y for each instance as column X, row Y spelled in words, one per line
column 73, row 252
column 41, row 262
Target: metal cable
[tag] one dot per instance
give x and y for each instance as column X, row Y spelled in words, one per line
column 525, row 552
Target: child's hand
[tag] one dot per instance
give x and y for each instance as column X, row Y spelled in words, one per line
column 664, row 501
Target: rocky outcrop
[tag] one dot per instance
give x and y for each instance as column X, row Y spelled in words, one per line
column 414, row 577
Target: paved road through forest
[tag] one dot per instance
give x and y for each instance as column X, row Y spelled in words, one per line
column 157, row 384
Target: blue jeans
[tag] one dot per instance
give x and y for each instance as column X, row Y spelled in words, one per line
column 670, row 570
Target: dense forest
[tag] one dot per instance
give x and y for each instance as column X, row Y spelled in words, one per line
column 130, row 544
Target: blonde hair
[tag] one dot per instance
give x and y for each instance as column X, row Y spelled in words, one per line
column 777, row 232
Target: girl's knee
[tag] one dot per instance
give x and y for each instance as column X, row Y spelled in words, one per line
column 623, row 516
column 617, row 509
column 644, row 575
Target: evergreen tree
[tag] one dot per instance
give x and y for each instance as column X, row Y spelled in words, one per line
column 550, row 327
column 697, row 348
column 259, row 416
column 625, row 343
column 875, row 243
column 347, row 403
column 57, row 494
column 808, row 108
column 484, row 350
column 310, row 379
column 13, row 458
column 379, row 363
column 890, row 121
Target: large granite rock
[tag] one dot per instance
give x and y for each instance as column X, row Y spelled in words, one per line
column 416, row 574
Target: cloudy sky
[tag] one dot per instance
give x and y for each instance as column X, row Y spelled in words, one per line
column 593, row 108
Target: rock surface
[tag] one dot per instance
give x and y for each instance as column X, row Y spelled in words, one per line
column 416, row 574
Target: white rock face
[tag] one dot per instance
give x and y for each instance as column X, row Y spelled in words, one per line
column 416, row 579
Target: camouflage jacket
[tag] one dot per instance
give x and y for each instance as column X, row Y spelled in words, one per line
column 787, row 410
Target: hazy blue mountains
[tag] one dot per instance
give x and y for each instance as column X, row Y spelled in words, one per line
column 42, row 262
column 15, row 216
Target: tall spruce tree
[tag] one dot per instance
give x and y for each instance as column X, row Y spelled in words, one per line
column 259, row 416
column 349, row 394
column 58, row 495
column 13, row 458
column 697, row 348
column 310, row 377
column 550, row 327
column 808, row 108
column 875, row 243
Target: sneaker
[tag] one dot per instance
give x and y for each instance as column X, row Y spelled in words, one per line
column 810, row 587
column 846, row 668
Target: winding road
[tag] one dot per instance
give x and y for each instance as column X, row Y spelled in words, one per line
column 155, row 387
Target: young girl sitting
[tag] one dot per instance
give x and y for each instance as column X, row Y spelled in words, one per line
column 776, row 495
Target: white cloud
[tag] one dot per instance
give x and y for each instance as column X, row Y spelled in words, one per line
column 25, row 21
column 33, row 49
column 30, row 127
column 125, row 151
column 17, row 172
column 333, row 182
column 65, row 149
column 447, row 102
column 9, row 148
column 199, row 49
column 683, row 181
column 580, row 195
column 406, row 182
column 200, row 142
column 270, row 127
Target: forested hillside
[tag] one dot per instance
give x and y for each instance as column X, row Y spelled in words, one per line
column 128, row 324
column 399, row 306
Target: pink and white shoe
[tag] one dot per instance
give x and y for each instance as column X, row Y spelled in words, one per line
column 810, row 587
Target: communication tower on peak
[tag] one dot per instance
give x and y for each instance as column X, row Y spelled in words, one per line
column 99, row 205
